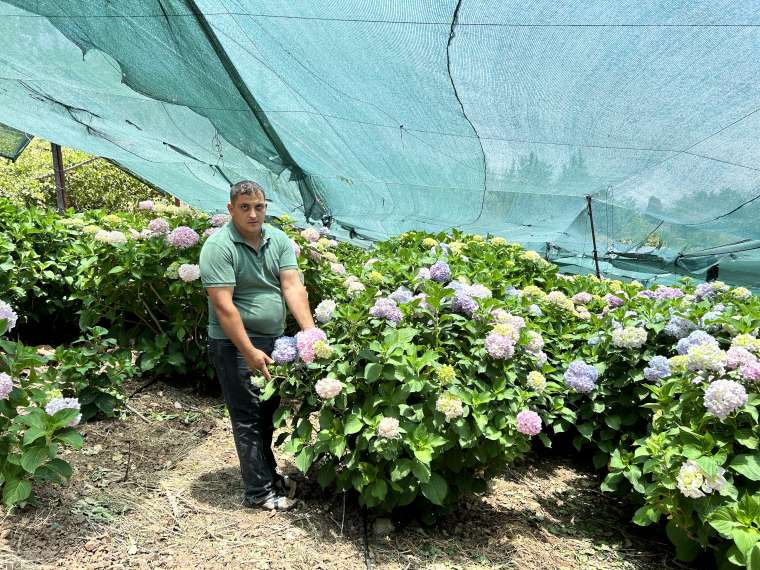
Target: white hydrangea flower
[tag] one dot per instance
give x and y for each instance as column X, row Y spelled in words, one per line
column 388, row 428
column 189, row 272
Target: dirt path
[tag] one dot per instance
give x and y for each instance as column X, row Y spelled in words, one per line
column 179, row 507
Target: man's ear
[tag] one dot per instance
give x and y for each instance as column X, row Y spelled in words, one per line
column 230, row 207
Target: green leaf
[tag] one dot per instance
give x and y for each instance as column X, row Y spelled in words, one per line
column 60, row 466
column 338, row 446
column 745, row 540
column 753, row 558
column 33, row 458
column 646, row 515
column 612, row 421
column 117, row 269
column 611, row 482
column 436, row 489
column 372, row 371
column 378, row 489
column 70, row 436
column 401, row 469
column 304, row 459
column 421, row 471
column 268, row 391
column 586, row 430
column 747, row 465
column 686, row 549
column 33, row 434
column 15, row 491
column 708, row 465
column 353, row 424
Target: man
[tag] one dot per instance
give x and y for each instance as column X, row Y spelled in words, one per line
column 250, row 272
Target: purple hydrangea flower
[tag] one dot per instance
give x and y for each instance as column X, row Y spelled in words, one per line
column 210, row 231
column 6, row 385
column 285, row 350
column 385, row 308
column 464, row 304
column 581, row 377
column 647, row 294
column 694, row 339
column 500, row 347
column 662, row 292
column 401, row 295
column 613, row 301
column 146, row 205
column 750, row 371
column 183, row 237
column 323, row 231
column 704, row 291
column 159, row 226
column 305, row 341
column 737, row 356
column 58, row 404
column 218, row 220
column 679, row 327
column 440, row 271
column 582, row 298
column 658, row 368
column 7, row 313
column 724, row 397
column 528, row 423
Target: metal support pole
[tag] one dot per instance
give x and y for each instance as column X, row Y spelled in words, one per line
column 60, row 183
column 177, row 202
column 593, row 234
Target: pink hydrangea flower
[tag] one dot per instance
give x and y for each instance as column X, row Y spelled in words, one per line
column 305, row 343
column 528, row 423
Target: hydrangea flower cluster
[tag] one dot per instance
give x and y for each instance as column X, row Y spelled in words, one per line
column 694, row 483
column 401, row 295
column 296, row 247
column 310, row 234
column 375, row 277
column 324, row 311
column 158, row 226
column 679, row 327
column 741, row 293
column 58, row 404
column 440, row 272
column 535, row 311
column 582, row 298
column 678, row 364
column 531, row 257
column 629, row 337
column 6, row 385
column 737, row 356
column 500, row 346
column 285, row 350
column 449, row 406
column 208, row 232
column 183, row 237
column 464, row 304
column 146, row 205
column 305, row 342
column 706, row 357
column 533, row 291
column 746, row 341
column 536, row 380
column 528, row 423
column 323, row 350
column 559, row 299
column 750, row 371
column 218, row 220
column 354, row 286
column 7, row 313
column 338, row 268
column 113, row 237
column 659, row 368
column 613, row 301
column 581, row 377
column 429, row 242
column 724, row 397
column 388, row 428
column 385, row 308
column 328, row 388
column 695, row 338
column 535, row 342
column 445, row 374
column 662, row 293
column 498, row 241
column 189, row 272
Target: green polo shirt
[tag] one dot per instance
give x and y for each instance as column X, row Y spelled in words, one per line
column 228, row 261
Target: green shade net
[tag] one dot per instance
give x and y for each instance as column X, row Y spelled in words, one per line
column 390, row 116
column 12, row 142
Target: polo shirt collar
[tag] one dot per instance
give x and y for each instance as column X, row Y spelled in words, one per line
column 237, row 238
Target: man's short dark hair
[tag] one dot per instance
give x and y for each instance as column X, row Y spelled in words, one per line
column 246, row 188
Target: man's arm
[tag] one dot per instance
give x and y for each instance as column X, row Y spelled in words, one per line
column 232, row 325
column 295, row 296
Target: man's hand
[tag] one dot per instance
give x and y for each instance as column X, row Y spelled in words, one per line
column 258, row 360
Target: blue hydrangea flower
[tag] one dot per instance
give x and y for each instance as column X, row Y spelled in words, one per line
column 694, row 339
column 464, row 304
column 581, row 377
column 285, row 350
column 440, row 272
column 679, row 327
column 658, row 368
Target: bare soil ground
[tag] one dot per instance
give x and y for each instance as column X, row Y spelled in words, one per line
column 160, row 488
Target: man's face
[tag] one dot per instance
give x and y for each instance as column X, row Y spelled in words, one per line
column 248, row 212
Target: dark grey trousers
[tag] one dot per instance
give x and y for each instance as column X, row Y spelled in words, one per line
column 252, row 420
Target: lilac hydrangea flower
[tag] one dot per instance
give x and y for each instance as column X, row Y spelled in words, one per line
column 183, row 237
column 499, row 346
column 57, row 404
column 440, row 271
column 159, row 226
column 694, row 339
column 324, row 231
column 528, row 423
column 535, row 311
column 662, row 292
column 218, row 220
column 401, row 295
column 737, row 356
column 613, row 301
column 285, row 350
column 305, row 342
column 7, row 313
column 464, row 304
column 210, row 231
column 582, row 298
column 724, row 397
column 6, row 385
column 581, row 377
column 146, row 205
column 423, row 274
column 704, row 291
column 647, row 294
column 385, row 308
column 659, row 368
column 750, row 371
column 679, row 327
